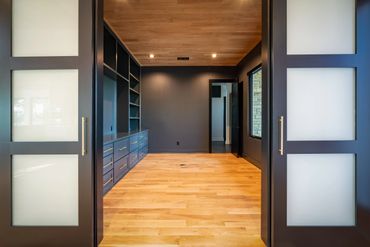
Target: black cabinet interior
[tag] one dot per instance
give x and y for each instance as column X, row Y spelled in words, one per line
column 134, row 124
column 122, row 62
column 134, row 84
column 110, row 49
column 134, row 98
column 134, row 69
column 109, row 104
column 122, row 105
column 122, row 85
column 134, row 111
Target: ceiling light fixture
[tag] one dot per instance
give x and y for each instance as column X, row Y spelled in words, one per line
column 214, row 55
column 151, row 56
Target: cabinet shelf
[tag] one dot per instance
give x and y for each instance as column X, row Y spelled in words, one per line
column 114, row 72
column 133, row 90
column 133, row 76
column 122, row 70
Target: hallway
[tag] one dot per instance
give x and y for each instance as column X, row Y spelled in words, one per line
column 185, row 200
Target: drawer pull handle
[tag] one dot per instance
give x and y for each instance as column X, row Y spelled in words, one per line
column 123, row 148
column 122, row 167
column 109, row 164
column 110, row 180
column 109, row 149
column 134, row 142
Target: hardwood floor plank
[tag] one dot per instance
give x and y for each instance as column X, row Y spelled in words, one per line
column 185, row 200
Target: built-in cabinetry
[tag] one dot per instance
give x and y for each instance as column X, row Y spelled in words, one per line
column 122, row 94
column 124, row 142
column 122, row 152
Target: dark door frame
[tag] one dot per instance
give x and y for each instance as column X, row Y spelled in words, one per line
column 83, row 234
column 266, row 125
column 282, row 234
column 224, row 117
column 211, row 81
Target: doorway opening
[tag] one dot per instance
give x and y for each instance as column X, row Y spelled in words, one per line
column 172, row 97
column 225, row 111
column 221, row 117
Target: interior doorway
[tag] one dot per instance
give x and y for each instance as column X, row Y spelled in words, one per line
column 221, row 117
column 225, row 111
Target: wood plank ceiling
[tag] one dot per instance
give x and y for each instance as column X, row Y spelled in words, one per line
column 190, row 28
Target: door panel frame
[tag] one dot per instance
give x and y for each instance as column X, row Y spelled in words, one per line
column 282, row 235
column 211, row 81
column 82, row 235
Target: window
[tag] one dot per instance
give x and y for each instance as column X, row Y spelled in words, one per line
column 255, row 102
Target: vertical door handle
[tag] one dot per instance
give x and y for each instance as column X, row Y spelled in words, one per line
column 281, row 144
column 84, row 136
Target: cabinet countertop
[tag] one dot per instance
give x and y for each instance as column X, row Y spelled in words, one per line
column 108, row 139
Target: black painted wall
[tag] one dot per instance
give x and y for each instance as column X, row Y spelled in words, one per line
column 252, row 147
column 175, row 106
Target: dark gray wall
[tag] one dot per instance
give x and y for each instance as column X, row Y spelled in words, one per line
column 175, row 106
column 252, row 147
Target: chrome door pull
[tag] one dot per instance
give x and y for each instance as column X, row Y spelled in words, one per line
column 84, row 136
column 281, row 123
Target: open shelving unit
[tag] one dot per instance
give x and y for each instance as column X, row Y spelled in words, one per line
column 122, row 75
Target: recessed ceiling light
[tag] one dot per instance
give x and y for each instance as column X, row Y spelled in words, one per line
column 151, row 56
column 214, row 55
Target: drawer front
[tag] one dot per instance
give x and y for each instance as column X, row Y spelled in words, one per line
column 108, row 181
column 143, row 139
column 133, row 158
column 134, row 142
column 143, row 143
column 107, row 164
column 121, row 167
column 107, row 150
column 143, row 152
column 143, row 135
column 121, row 149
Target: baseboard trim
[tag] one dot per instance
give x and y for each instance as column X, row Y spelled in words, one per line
column 254, row 162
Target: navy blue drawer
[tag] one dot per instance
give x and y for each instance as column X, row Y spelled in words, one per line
column 143, row 143
column 107, row 150
column 133, row 158
column 134, row 142
column 121, row 149
column 120, row 168
column 108, row 181
column 143, row 152
column 143, row 135
column 107, row 164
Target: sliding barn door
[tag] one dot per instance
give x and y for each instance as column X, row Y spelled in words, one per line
column 46, row 102
column 321, row 121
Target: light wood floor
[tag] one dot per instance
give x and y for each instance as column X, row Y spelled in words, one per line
column 185, row 200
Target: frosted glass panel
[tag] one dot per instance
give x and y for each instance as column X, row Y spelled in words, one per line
column 321, row 26
column 45, row 105
column 321, row 104
column 45, row 28
column 45, row 190
column 321, row 190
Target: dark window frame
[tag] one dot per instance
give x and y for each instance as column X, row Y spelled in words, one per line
column 250, row 74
